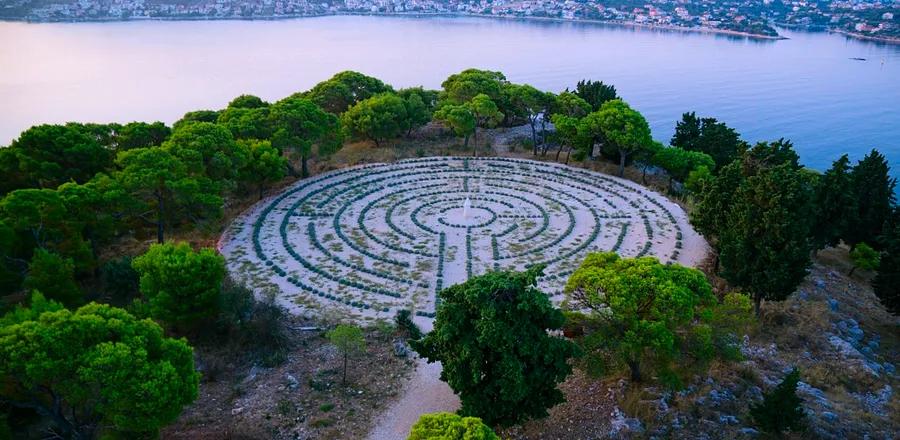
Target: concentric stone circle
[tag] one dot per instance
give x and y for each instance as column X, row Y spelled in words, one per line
column 374, row 239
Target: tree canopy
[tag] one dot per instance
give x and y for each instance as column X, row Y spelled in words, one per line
column 707, row 135
column 349, row 340
column 54, row 275
column 345, row 89
column 380, row 117
column 458, row 118
column 162, row 191
column 835, row 204
column 758, row 213
column 642, row 306
column 887, row 282
column 181, row 286
column 621, row 128
column 873, row 189
column 486, row 114
column 595, row 93
column 46, row 156
column 491, row 337
column 460, row 88
column 95, row 369
column 303, row 128
column 679, row 163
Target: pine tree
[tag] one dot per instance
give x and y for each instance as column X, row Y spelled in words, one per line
column 887, row 282
column 873, row 189
column 781, row 409
column 835, row 204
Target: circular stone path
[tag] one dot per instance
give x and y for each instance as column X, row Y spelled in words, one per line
column 373, row 239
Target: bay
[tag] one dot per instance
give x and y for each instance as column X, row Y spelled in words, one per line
column 806, row 88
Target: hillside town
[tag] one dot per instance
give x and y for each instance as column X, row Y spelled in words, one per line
column 871, row 19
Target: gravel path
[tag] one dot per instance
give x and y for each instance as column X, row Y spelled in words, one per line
column 424, row 393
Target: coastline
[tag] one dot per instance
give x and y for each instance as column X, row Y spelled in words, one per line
column 704, row 30
column 621, row 23
column 886, row 40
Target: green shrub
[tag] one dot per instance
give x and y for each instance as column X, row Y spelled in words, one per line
column 446, row 426
column 404, row 322
column 235, row 304
column 120, row 280
column 864, row 257
column 54, row 276
column 183, row 287
column 781, row 409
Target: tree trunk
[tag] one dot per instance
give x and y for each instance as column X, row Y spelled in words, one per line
column 260, row 192
column 475, row 142
column 291, row 170
column 852, row 269
column 757, row 304
column 635, row 367
column 304, row 171
column 344, row 378
column 559, row 151
column 568, row 155
column 377, row 144
column 160, row 215
column 533, row 137
column 621, row 164
column 466, row 142
column 544, row 134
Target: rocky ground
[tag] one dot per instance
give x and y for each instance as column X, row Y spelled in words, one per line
column 832, row 329
column 301, row 398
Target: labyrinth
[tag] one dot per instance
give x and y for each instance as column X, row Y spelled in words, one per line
column 374, row 239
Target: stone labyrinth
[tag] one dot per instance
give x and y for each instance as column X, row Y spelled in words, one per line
column 378, row 238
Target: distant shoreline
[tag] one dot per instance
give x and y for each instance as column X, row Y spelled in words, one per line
column 706, row 30
column 622, row 23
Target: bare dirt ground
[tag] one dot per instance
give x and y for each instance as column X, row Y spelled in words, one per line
column 302, row 398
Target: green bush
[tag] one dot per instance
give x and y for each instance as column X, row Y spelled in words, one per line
column 120, row 280
column 54, row 276
column 236, row 304
column 183, row 287
column 404, row 322
column 446, row 426
column 781, row 409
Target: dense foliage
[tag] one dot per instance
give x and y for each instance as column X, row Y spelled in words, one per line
column 622, row 131
column 758, row 212
column 640, row 312
column 446, row 426
column 707, row 135
column 181, row 286
column 781, row 409
column 887, row 282
column 97, row 368
column 491, row 337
